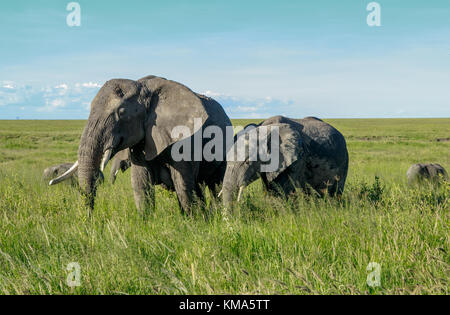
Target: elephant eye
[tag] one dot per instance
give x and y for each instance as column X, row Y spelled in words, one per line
column 122, row 112
column 119, row 92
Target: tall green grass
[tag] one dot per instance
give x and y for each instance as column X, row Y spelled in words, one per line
column 266, row 245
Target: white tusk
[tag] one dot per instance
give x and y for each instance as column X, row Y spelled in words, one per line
column 115, row 173
column 105, row 160
column 220, row 193
column 64, row 176
column 241, row 191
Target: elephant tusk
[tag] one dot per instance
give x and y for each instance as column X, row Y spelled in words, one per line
column 241, row 192
column 105, row 160
column 64, row 176
column 220, row 193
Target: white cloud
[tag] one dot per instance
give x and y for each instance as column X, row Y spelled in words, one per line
column 52, row 105
column 62, row 86
column 91, row 85
column 212, row 94
column 88, row 85
column 8, row 86
column 58, row 103
column 251, row 107
column 61, row 98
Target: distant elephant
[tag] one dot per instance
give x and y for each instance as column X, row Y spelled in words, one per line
column 433, row 173
column 58, row 170
column 120, row 162
column 141, row 115
column 311, row 153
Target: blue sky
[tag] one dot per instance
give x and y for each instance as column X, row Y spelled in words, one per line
column 257, row 58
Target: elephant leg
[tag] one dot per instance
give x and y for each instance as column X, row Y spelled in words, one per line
column 282, row 186
column 291, row 179
column 266, row 184
column 143, row 188
column 214, row 180
column 199, row 191
column 184, row 175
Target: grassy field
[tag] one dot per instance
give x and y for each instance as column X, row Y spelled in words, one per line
column 303, row 245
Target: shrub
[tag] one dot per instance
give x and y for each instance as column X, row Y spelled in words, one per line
column 374, row 193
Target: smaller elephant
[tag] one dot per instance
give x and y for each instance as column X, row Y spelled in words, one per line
column 121, row 162
column 52, row 172
column 288, row 174
column 418, row 173
column 311, row 154
column 57, row 170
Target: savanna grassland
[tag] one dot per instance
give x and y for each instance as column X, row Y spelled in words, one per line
column 303, row 245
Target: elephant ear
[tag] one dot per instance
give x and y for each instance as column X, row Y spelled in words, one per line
column 290, row 149
column 172, row 104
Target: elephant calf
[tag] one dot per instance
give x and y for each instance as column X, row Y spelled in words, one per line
column 55, row 171
column 419, row 173
column 120, row 162
column 310, row 153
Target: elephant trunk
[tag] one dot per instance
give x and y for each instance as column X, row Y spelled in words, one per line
column 231, row 184
column 90, row 153
column 227, row 194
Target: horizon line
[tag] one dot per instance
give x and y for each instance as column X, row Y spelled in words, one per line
column 50, row 119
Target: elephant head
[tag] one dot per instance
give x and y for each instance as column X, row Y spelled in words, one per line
column 284, row 150
column 133, row 114
column 56, row 170
column 121, row 162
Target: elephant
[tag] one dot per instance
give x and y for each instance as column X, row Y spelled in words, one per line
column 419, row 173
column 120, row 162
column 312, row 154
column 57, row 170
column 142, row 116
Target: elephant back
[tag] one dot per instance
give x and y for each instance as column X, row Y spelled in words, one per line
column 171, row 105
column 327, row 165
column 419, row 172
column 324, row 140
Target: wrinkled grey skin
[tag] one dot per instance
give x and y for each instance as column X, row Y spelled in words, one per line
column 57, row 170
column 140, row 115
column 419, row 173
column 319, row 159
column 121, row 162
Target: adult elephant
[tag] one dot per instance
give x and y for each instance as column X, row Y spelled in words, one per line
column 141, row 115
column 311, row 153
